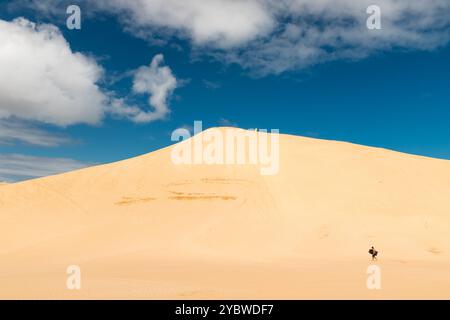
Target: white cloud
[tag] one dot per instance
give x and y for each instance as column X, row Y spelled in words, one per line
column 226, row 123
column 274, row 36
column 42, row 79
column 312, row 32
column 17, row 167
column 221, row 23
column 159, row 83
column 12, row 131
column 211, row 84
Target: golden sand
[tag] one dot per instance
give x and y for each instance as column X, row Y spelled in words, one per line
column 148, row 229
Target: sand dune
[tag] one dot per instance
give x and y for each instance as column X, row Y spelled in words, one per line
column 146, row 228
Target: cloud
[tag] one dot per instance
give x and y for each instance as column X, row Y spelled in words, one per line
column 17, row 167
column 42, row 79
column 12, row 131
column 313, row 32
column 226, row 123
column 158, row 82
column 275, row 36
column 211, row 84
column 220, row 23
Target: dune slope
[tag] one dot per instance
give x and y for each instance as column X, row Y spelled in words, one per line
column 146, row 228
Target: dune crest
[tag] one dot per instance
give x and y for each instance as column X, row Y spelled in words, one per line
column 147, row 228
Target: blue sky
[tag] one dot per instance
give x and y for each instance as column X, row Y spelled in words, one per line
column 389, row 92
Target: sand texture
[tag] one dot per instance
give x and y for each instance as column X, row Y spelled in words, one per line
column 144, row 228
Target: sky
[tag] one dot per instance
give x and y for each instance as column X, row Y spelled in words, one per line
column 137, row 70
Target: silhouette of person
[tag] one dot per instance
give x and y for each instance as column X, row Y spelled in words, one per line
column 374, row 253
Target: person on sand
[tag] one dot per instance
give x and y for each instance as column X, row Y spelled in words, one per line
column 374, row 253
